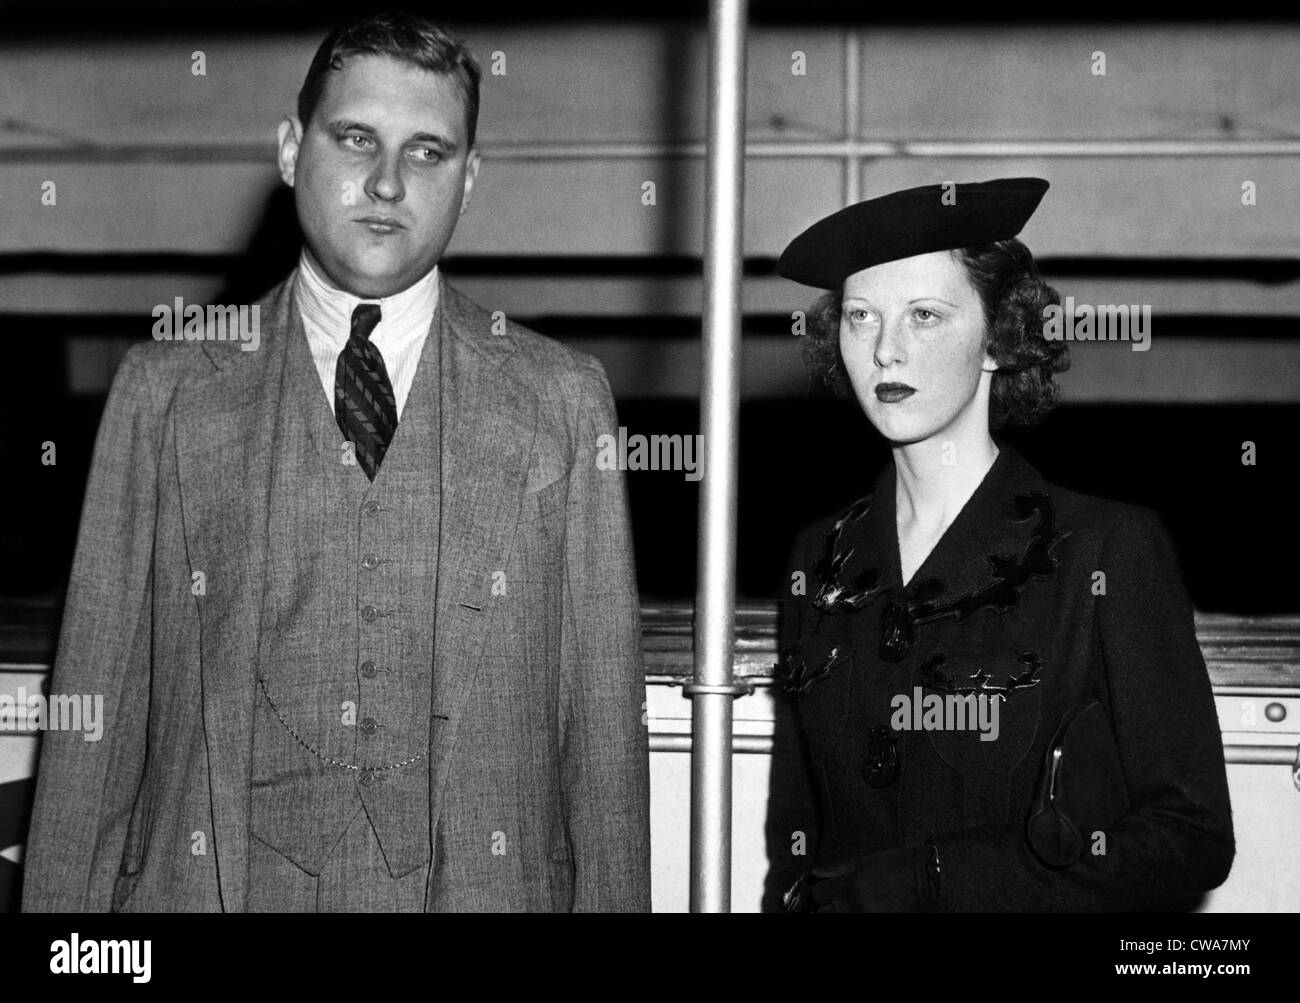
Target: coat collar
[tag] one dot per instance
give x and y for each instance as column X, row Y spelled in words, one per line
column 1001, row 539
column 488, row 422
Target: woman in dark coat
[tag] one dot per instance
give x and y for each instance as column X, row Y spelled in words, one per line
column 965, row 619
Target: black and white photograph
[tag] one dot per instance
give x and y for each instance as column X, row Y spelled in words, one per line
column 714, row 457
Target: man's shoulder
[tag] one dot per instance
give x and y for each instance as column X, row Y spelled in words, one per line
column 535, row 358
column 159, row 368
column 170, row 359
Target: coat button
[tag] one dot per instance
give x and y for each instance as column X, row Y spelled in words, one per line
column 369, row 726
column 896, row 632
column 370, row 507
column 369, row 561
column 880, row 767
column 368, row 779
column 369, row 614
column 368, row 669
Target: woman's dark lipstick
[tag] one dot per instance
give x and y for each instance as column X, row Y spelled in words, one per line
column 892, row 393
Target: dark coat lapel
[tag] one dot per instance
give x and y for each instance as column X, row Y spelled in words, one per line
column 1005, row 533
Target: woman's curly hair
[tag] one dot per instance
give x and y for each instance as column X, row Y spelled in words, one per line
column 1014, row 297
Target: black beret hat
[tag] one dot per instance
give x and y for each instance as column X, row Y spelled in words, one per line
column 910, row 222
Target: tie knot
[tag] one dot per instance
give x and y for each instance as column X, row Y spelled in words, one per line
column 364, row 319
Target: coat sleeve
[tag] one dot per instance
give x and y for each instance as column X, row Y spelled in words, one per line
column 605, row 753
column 793, row 824
column 1177, row 840
column 86, row 790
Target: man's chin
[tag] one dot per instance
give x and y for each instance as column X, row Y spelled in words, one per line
column 376, row 280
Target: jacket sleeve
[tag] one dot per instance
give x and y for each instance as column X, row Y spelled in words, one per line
column 605, row 751
column 1177, row 841
column 86, row 789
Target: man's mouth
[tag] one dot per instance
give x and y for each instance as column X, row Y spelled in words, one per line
column 892, row 393
column 381, row 224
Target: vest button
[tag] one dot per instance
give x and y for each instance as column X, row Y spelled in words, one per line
column 370, row 507
column 369, row 614
column 369, row 561
column 369, row 726
column 368, row 669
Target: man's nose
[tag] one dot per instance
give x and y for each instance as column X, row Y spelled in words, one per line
column 385, row 181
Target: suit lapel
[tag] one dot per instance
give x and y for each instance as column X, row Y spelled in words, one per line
column 224, row 464
column 488, row 423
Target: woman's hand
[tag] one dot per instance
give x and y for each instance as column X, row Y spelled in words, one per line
column 904, row 879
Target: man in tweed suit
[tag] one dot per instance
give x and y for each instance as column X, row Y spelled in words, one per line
column 360, row 603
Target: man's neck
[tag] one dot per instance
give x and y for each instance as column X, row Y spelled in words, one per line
column 320, row 278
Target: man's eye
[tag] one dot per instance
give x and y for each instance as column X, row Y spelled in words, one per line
column 356, row 142
column 428, row 155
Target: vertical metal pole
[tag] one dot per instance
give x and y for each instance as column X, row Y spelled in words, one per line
column 713, row 688
column 852, row 115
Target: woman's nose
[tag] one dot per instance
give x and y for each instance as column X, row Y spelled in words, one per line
column 890, row 343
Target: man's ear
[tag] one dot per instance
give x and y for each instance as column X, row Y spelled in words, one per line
column 471, row 175
column 290, row 136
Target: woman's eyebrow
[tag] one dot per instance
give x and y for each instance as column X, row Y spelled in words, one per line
column 936, row 299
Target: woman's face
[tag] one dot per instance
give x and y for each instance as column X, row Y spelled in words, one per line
column 912, row 336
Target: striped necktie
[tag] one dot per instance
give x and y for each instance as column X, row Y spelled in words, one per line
column 364, row 403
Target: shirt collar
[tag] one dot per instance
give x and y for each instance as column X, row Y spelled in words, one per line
column 328, row 308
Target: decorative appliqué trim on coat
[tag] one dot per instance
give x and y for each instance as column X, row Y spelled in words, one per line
column 797, row 677
column 1010, row 576
column 834, row 595
column 979, row 680
column 1002, row 593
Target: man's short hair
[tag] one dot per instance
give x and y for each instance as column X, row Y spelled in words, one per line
column 407, row 37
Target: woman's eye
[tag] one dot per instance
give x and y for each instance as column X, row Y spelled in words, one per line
column 859, row 316
column 925, row 316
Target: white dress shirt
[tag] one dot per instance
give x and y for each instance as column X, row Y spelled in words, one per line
column 403, row 326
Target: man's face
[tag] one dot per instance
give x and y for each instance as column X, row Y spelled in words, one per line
column 381, row 174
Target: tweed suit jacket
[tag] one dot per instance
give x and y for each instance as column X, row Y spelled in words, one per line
column 538, row 754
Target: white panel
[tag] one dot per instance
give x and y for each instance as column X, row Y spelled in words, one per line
column 1265, row 820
